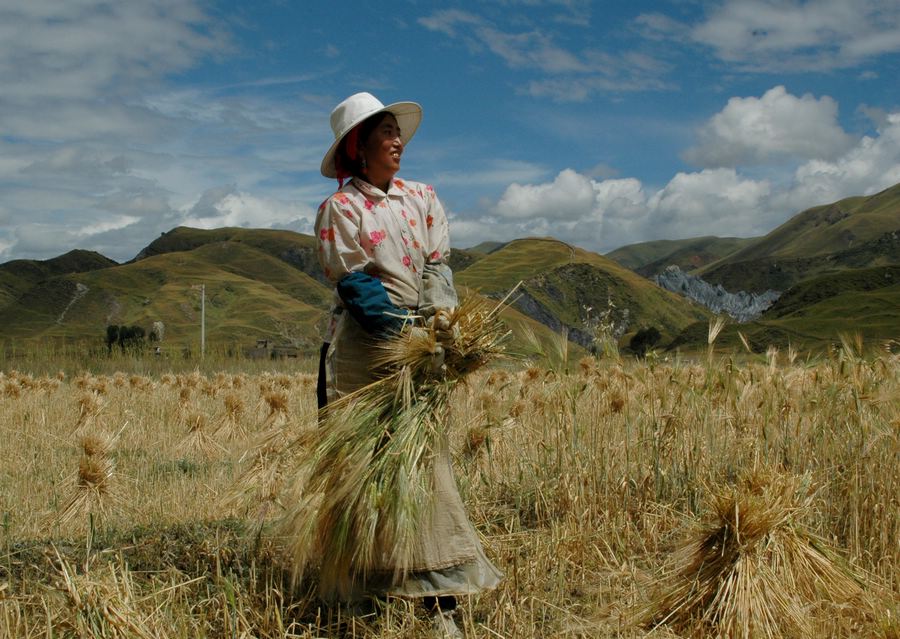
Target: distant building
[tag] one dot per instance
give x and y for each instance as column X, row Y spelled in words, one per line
column 268, row 349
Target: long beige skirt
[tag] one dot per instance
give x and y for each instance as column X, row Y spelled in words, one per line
column 448, row 558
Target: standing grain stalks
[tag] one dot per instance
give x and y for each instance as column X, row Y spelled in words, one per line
column 268, row 466
column 712, row 334
column 277, row 401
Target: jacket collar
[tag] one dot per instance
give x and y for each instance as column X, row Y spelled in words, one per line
column 373, row 191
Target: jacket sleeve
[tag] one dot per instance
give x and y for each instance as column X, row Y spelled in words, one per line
column 344, row 261
column 437, row 289
column 337, row 235
column 367, row 302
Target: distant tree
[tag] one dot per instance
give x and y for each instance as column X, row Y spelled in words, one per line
column 127, row 337
column 645, row 339
column 112, row 337
column 136, row 338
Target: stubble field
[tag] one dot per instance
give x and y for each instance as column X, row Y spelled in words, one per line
column 620, row 499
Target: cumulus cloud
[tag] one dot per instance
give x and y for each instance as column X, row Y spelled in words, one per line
column 605, row 214
column 777, row 126
column 225, row 207
column 72, row 75
column 567, row 197
column 718, row 201
column 872, row 165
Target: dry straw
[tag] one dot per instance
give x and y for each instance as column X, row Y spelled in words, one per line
column 752, row 570
column 363, row 487
column 101, row 605
column 93, row 489
column 198, row 440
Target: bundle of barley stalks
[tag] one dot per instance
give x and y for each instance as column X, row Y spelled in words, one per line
column 363, row 485
column 752, row 570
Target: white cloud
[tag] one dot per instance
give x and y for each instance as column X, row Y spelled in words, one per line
column 101, row 154
column 870, row 166
column 532, row 50
column 105, row 226
column 447, row 21
column 569, row 196
column 775, row 127
column 711, row 202
column 73, row 75
column 602, row 215
column 562, row 74
column 800, row 35
column 43, row 240
column 68, row 69
column 220, row 207
column 73, row 49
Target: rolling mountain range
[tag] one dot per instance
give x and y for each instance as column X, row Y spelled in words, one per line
column 836, row 267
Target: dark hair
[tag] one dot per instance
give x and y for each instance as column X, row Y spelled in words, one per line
column 342, row 158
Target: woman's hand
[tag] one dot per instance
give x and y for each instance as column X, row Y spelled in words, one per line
column 432, row 345
column 445, row 330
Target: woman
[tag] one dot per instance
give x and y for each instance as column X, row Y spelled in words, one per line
column 384, row 244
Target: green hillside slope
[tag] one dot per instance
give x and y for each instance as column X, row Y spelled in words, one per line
column 873, row 315
column 17, row 276
column 249, row 295
column 563, row 286
column 819, row 292
column 781, row 274
column 857, row 232
column 817, row 311
column 463, row 258
column 651, row 258
column 296, row 249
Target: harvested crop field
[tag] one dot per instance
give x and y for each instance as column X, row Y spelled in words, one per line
column 620, row 499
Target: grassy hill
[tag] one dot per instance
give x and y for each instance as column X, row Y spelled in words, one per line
column 781, row 274
column 818, row 311
column 801, row 299
column 857, row 232
column 461, row 259
column 296, row 249
column 259, row 284
column 486, row 247
column 836, row 263
column 651, row 258
column 17, row 276
column 249, row 294
column 564, row 286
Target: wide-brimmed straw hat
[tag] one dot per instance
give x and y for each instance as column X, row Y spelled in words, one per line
column 357, row 108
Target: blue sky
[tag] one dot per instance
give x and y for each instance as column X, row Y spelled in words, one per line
column 599, row 123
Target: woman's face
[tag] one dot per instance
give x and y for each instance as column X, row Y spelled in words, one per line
column 382, row 151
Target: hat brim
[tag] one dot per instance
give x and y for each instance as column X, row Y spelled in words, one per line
column 408, row 114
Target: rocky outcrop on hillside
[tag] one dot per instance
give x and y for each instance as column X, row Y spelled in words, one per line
column 528, row 305
column 741, row 306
